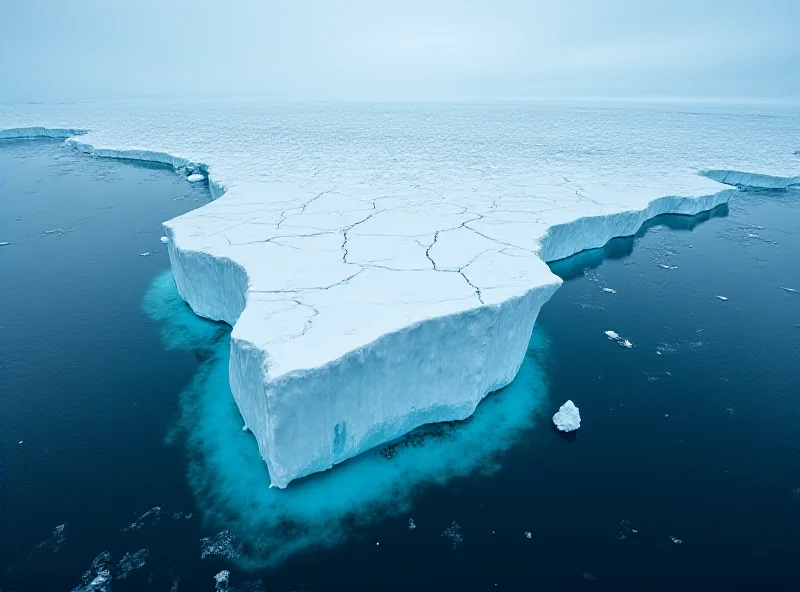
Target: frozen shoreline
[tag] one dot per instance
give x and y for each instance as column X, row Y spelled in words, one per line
column 358, row 316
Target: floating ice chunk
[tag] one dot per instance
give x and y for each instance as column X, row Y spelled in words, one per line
column 411, row 525
column 567, row 418
column 528, row 534
column 221, row 580
column 790, row 290
column 665, row 266
column 677, row 541
column 612, row 334
column 609, row 290
column 245, row 428
column 723, row 298
column 195, row 178
column 453, row 532
column 752, row 235
column 20, row 441
column 4, row 243
column 625, row 343
column 145, row 254
column 164, row 240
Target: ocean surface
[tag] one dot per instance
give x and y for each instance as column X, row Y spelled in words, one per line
column 122, row 449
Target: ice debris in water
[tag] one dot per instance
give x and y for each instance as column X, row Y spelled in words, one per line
column 675, row 540
column 222, row 545
column 568, row 418
column 221, row 580
column 615, row 336
column 790, row 290
column 453, row 532
column 164, row 240
column 723, row 298
column 98, row 576
column 665, row 266
column 148, row 518
column 528, row 534
column 145, row 254
column 752, row 235
column 589, row 577
column 131, row 562
column 195, row 178
column 411, row 525
column 609, row 290
column 245, row 428
column 4, row 243
column 56, row 540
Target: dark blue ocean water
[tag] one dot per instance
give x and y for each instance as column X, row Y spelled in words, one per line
column 121, row 445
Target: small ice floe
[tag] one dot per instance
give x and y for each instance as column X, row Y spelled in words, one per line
column 164, row 240
column 221, row 580
column 528, row 534
column 665, row 266
column 195, row 178
column 411, row 525
column 790, row 290
column 589, row 577
column 20, row 442
column 4, row 243
column 145, row 254
column 723, row 298
column 666, row 415
column 245, row 428
column 609, row 290
column 752, row 235
column 675, row 540
column 567, row 418
column 616, row 337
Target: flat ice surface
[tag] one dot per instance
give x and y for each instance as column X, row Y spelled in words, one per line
column 383, row 265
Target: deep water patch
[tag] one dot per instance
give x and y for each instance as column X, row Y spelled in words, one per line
column 265, row 526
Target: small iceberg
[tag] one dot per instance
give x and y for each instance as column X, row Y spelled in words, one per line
column 723, row 298
column 568, row 418
column 612, row 335
column 195, row 178
column 790, row 290
column 145, row 254
column 164, row 240
column 4, row 243
column 609, row 290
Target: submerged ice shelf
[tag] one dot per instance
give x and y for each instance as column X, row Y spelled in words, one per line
column 383, row 285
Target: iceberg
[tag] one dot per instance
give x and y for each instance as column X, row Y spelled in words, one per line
column 195, row 178
column 567, row 418
column 380, row 274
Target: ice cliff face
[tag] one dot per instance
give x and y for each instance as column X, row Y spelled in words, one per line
column 389, row 272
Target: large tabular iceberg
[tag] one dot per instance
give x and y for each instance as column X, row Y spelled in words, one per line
column 383, row 268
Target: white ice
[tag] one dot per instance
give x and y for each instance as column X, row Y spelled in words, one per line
column 567, row 418
column 195, row 178
column 382, row 266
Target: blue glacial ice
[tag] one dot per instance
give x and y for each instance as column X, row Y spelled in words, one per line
column 382, row 267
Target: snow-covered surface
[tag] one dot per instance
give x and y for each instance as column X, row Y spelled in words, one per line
column 195, row 178
column 567, row 418
column 383, row 265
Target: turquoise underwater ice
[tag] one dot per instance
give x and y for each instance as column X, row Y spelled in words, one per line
column 256, row 526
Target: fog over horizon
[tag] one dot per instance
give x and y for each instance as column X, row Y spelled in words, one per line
column 738, row 50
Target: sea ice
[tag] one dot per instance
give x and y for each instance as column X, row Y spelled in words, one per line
column 723, row 298
column 164, row 240
column 195, row 178
column 612, row 334
column 380, row 275
column 609, row 290
column 567, row 418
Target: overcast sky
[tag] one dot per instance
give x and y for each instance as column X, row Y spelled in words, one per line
column 399, row 50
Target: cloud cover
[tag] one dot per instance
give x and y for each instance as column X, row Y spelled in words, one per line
column 410, row 50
